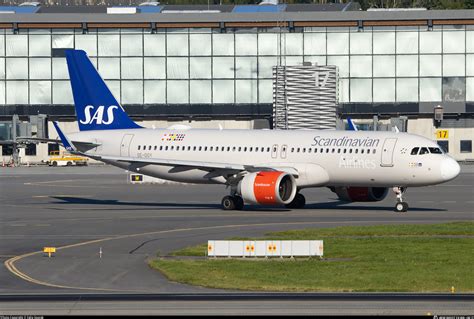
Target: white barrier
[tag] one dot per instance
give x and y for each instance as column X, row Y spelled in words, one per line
column 265, row 248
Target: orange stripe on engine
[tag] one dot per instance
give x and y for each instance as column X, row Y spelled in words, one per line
column 264, row 187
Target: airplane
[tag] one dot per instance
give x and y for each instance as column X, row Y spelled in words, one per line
column 262, row 167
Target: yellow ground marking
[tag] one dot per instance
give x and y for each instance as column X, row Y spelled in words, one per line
column 10, row 263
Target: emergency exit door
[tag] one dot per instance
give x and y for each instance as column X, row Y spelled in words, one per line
column 125, row 145
column 387, row 152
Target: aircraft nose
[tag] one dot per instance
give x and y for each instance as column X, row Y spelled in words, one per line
column 449, row 169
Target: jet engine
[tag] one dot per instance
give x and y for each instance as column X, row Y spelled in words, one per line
column 361, row 194
column 268, row 188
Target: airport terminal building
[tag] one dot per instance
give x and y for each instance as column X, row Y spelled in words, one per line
column 213, row 64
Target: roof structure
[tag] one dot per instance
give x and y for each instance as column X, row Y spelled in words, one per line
column 154, row 15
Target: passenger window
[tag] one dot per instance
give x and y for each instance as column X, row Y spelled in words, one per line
column 327, row 150
column 251, row 149
column 166, row 148
column 374, row 151
column 211, row 148
column 414, row 151
column 205, row 148
column 161, row 147
column 292, row 150
column 435, row 150
column 194, row 148
column 177, row 148
column 333, row 150
column 298, row 150
column 149, row 147
column 233, row 149
column 172, row 147
column 368, row 151
column 356, row 150
column 228, row 148
column 424, row 150
column 138, row 147
column 345, row 150
column 322, row 150
column 350, row 151
column 304, row 149
column 338, row 151
column 200, row 148
column 309, row 150
column 155, row 148
column 268, row 149
column 240, row 148
column 315, row 150
column 362, row 151
column 245, row 149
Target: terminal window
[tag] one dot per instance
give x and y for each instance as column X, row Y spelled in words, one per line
column 466, row 146
column 444, row 145
column 30, row 150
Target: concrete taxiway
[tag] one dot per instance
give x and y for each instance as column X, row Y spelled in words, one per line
column 106, row 229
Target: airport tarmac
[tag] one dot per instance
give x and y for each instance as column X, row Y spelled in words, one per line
column 106, row 229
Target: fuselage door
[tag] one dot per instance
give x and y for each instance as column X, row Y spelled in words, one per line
column 283, row 151
column 125, row 145
column 275, row 151
column 387, row 152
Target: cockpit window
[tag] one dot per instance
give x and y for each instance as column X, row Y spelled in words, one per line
column 435, row 150
column 414, row 151
column 424, row 150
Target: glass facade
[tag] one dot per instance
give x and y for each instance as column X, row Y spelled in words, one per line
column 205, row 66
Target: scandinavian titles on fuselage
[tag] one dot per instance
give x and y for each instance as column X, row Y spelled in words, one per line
column 345, row 141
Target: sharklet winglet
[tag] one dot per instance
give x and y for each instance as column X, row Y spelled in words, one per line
column 68, row 145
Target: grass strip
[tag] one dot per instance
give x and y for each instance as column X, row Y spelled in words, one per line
column 396, row 258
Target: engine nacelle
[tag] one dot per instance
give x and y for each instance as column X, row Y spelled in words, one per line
column 268, row 188
column 361, row 194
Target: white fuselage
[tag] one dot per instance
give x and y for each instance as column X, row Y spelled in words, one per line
column 321, row 158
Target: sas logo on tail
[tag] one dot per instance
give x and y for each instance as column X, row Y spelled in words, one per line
column 98, row 115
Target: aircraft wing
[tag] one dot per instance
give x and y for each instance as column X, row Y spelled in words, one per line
column 210, row 166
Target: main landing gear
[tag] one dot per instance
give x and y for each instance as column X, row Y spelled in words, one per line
column 232, row 203
column 298, row 202
column 235, row 202
column 401, row 206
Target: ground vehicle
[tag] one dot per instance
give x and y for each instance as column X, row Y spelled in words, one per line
column 62, row 158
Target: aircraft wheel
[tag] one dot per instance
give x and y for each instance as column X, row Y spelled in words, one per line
column 298, row 202
column 69, row 164
column 239, row 202
column 228, row 203
column 401, row 207
column 55, row 163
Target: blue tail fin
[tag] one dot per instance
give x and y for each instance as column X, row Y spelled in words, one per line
column 96, row 107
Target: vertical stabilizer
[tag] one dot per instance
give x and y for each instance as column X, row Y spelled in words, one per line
column 96, row 107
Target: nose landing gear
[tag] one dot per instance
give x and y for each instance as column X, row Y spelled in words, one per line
column 400, row 206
